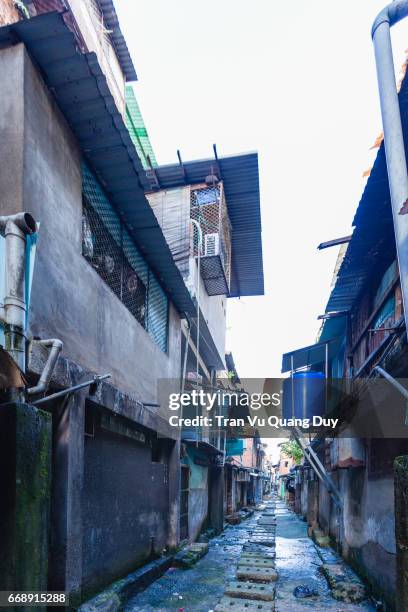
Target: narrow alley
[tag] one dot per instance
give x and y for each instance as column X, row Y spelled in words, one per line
column 203, row 306
column 212, row 585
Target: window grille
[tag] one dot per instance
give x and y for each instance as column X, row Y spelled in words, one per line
column 108, row 247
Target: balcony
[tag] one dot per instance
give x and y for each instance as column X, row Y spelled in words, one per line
column 208, row 208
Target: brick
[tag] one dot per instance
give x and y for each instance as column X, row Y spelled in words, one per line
column 250, row 590
column 243, row 605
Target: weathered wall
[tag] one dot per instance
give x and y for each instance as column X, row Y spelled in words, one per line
column 198, row 495
column 366, row 533
column 99, row 43
column 25, row 483
column 214, row 309
column 42, row 174
column 125, row 506
column 369, row 527
column 111, row 484
column 303, row 497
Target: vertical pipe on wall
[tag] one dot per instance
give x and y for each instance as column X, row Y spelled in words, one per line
column 16, row 228
column 393, row 134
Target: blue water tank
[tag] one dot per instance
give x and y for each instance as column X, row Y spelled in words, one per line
column 309, row 393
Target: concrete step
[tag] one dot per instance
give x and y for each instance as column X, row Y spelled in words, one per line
column 256, row 573
column 250, row 590
column 254, row 554
column 263, row 541
column 257, row 548
column 243, row 605
column 260, row 507
column 245, row 560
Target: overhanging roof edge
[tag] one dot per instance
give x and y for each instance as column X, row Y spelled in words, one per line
column 75, row 94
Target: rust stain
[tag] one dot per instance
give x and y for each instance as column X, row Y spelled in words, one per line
column 10, row 373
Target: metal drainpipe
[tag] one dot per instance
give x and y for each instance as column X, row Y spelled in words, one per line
column 55, row 349
column 393, row 135
column 16, row 228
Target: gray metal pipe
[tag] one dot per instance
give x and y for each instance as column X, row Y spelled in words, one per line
column 393, row 135
column 45, row 378
column 58, row 394
column 16, row 228
column 397, row 385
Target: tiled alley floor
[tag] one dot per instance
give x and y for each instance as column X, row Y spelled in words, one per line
column 201, row 588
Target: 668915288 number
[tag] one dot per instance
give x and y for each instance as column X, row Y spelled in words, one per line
column 33, row 598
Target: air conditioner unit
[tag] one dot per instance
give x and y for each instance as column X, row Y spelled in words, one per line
column 211, row 245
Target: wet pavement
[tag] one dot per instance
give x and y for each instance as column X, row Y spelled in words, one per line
column 297, row 562
column 200, row 588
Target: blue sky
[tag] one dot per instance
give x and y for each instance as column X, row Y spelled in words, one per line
column 296, row 82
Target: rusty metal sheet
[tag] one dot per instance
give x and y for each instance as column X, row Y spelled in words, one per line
column 10, row 374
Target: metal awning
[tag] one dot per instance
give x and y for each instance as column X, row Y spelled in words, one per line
column 82, row 94
column 203, row 445
column 115, row 33
column 309, row 355
column 240, row 176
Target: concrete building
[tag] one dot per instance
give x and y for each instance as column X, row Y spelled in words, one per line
column 246, row 472
column 363, row 329
column 207, row 210
column 110, row 283
column 109, row 290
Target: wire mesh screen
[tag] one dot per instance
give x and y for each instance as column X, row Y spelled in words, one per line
column 157, row 313
column 109, row 248
column 208, row 207
column 205, row 208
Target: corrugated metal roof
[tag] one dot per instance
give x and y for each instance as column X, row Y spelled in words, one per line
column 241, row 184
column 373, row 235
column 308, row 356
column 82, row 93
column 111, row 21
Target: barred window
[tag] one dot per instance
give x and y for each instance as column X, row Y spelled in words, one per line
column 111, row 251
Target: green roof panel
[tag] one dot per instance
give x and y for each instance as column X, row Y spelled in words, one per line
column 138, row 131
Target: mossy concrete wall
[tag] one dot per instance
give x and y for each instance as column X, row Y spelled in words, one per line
column 401, row 531
column 25, row 478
